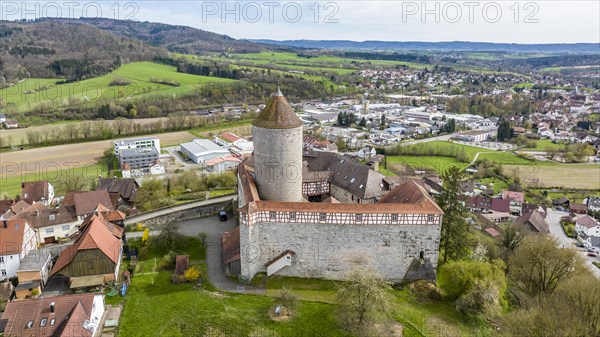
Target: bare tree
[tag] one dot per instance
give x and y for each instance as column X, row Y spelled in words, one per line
column 364, row 298
column 540, row 266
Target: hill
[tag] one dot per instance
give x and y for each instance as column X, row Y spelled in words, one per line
column 179, row 39
column 46, row 49
column 438, row 46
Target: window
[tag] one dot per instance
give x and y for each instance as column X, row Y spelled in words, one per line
column 52, row 217
column 272, row 215
column 52, row 321
column 394, row 217
column 43, row 322
column 30, row 325
column 1, row 259
column 430, row 218
column 292, row 215
column 49, row 230
column 358, row 217
column 322, row 216
column 3, row 272
column 66, row 228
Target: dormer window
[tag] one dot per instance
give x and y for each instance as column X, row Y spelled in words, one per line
column 30, row 325
column 43, row 322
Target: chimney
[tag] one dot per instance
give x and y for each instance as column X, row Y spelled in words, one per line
column 52, row 307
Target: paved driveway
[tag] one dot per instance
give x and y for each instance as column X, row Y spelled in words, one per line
column 556, row 230
column 214, row 229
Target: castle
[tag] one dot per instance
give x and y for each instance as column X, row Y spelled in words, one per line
column 320, row 214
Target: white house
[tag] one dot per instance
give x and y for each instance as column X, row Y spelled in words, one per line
column 17, row 239
column 202, row 150
column 593, row 203
column 587, row 226
column 51, row 224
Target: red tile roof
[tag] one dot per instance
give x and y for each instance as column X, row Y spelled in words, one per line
column 11, row 237
column 97, row 233
column 587, row 221
column 231, row 245
column 228, row 136
column 512, row 195
column 70, row 313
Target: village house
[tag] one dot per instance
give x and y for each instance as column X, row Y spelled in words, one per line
column 516, row 201
column 38, row 191
column 17, row 239
column 578, row 208
column 50, row 224
column 222, row 164
column 593, row 203
column 120, row 191
column 35, row 269
column 588, row 226
column 68, row 315
column 95, row 256
column 85, row 203
column 534, row 221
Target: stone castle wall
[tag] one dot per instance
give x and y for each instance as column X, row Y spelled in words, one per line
column 330, row 251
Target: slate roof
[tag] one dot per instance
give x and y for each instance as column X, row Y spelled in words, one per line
column 70, row 313
column 348, row 174
column 125, row 188
column 277, row 114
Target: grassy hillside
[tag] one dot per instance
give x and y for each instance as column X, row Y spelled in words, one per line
column 137, row 79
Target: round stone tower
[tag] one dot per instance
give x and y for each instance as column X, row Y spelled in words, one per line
column 277, row 135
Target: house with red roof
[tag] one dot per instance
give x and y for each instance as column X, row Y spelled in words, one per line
column 17, row 239
column 95, row 256
column 76, row 315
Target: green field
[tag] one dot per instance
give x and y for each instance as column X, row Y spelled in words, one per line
column 544, row 144
column 33, row 92
column 424, row 163
column 11, row 186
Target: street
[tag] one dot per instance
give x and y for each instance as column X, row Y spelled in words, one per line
column 556, row 230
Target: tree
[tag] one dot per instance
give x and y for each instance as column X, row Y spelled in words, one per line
column 72, row 181
column 287, row 299
column 454, row 225
column 364, row 298
column 511, row 236
column 504, row 131
column 363, row 122
column 539, row 266
column 152, row 194
column 169, row 236
column 477, row 286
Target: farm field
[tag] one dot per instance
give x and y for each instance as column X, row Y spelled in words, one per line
column 431, row 164
column 585, row 176
column 33, row 92
column 43, row 163
column 19, row 136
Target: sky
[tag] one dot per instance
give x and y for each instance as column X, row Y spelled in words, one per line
column 548, row 21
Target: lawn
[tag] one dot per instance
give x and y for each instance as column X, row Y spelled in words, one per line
column 155, row 306
column 544, row 144
column 418, row 317
column 424, row 163
column 33, row 92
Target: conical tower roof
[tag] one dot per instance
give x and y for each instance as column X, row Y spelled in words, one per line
column 278, row 114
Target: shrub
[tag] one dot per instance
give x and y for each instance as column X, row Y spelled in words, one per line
column 287, row 299
column 456, row 278
column 168, row 261
column 143, row 254
column 192, row 274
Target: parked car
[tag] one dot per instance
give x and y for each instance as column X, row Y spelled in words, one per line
column 579, row 244
column 223, row 216
column 592, row 254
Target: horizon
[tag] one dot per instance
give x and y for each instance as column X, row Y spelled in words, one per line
column 541, row 22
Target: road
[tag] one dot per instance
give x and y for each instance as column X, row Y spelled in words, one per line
column 556, row 230
column 172, row 209
column 214, row 229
